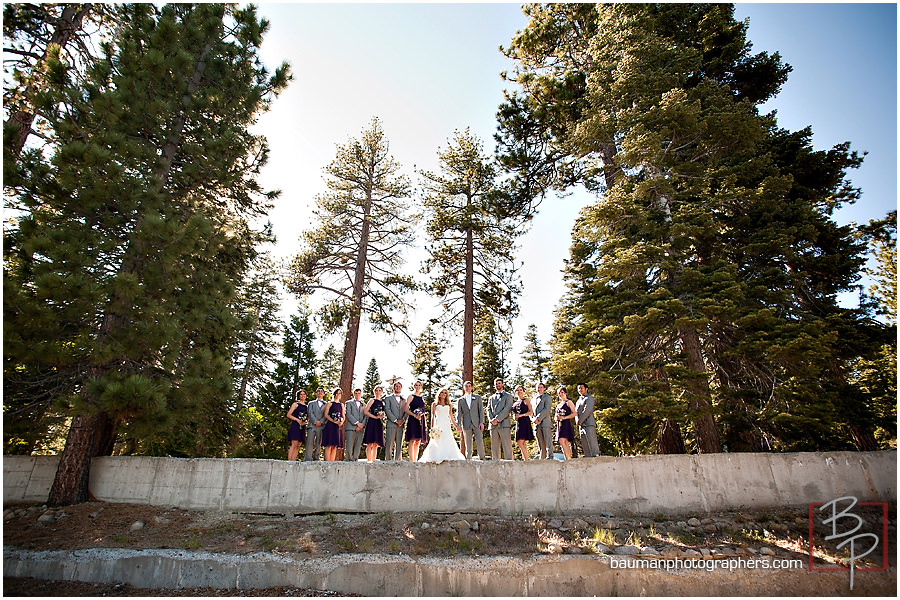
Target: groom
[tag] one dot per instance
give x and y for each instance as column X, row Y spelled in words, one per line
column 471, row 420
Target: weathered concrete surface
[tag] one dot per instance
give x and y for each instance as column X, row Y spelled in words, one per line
column 379, row 575
column 638, row 485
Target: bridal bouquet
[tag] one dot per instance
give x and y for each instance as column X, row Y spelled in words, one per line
column 434, row 434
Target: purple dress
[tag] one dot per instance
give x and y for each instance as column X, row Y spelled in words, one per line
column 375, row 427
column 415, row 429
column 333, row 434
column 564, row 428
column 296, row 433
column 523, row 424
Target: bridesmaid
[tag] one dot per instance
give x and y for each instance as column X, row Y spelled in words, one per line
column 297, row 430
column 374, row 437
column 565, row 414
column 415, row 424
column 523, row 411
column 332, row 435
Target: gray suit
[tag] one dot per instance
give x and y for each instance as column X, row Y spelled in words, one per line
column 353, row 438
column 587, row 425
column 315, row 411
column 471, row 420
column 393, row 432
column 498, row 407
column 544, row 432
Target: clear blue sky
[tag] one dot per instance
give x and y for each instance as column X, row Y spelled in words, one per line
column 428, row 69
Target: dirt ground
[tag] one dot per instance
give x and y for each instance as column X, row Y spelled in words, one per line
column 781, row 533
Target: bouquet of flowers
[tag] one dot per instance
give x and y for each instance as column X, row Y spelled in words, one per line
column 434, row 435
column 378, row 412
column 560, row 412
column 518, row 407
column 336, row 413
column 302, row 421
column 419, row 413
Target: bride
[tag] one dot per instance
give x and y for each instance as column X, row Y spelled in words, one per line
column 442, row 446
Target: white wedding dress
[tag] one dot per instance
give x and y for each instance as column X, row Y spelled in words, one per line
column 445, row 446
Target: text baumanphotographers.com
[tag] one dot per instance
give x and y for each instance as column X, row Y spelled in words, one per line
column 708, row 564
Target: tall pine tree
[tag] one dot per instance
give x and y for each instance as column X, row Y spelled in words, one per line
column 136, row 227
column 703, row 283
column 471, row 240
column 355, row 255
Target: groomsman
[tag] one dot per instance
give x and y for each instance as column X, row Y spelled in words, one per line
column 315, row 412
column 587, row 425
column 543, row 424
column 393, row 426
column 498, row 409
column 354, row 426
column 470, row 409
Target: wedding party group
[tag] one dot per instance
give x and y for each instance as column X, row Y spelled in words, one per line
column 340, row 428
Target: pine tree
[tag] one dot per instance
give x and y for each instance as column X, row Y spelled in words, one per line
column 373, row 379
column 471, row 231
column 263, row 427
column 330, row 368
column 257, row 307
column 427, row 365
column 356, row 253
column 136, row 230
column 534, row 360
column 709, row 269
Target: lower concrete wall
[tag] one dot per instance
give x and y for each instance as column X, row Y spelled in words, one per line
column 379, row 575
column 636, row 484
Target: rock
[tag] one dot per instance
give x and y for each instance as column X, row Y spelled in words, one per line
column 710, row 528
column 475, row 526
column 707, row 521
column 752, row 550
column 9, row 514
column 555, row 523
column 606, row 514
column 694, row 522
column 554, row 548
column 671, row 552
column 160, row 520
column 95, row 514
column 579, row 524
column 137, row 526
column 681, row 525
column 650, row 550
column 691, row 553
column 767, row 551
column 601, row 548
column 47, row 517
column 612, row 524
column 425, row 525
column 705, row 552
column 627, row 549
column 574, row 549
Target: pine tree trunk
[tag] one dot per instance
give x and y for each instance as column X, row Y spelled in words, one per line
column 86, row 434
column 359, row 278
column 863, row 438
column 66, row 26
column 670, row 440
column 700, row 401
column 468, row 361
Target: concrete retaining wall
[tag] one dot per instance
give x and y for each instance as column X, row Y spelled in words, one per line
column 378, row 575
column 638, row 485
